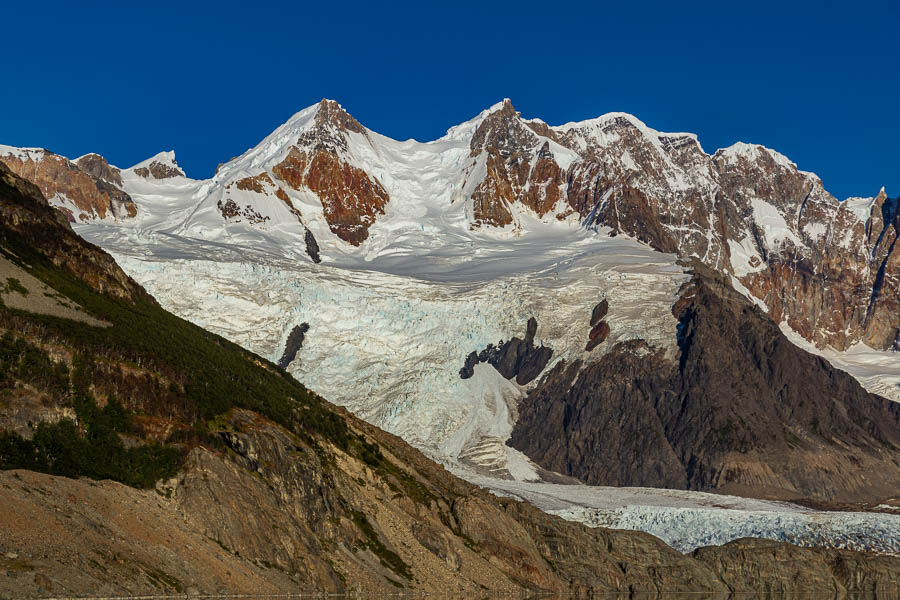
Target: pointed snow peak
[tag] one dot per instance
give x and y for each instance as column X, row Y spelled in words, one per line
column 464, row 131
column 159, row 166
column 753, row 153
column 165, row 157
column 604, row 120
column 504, row 107
column 611, row 128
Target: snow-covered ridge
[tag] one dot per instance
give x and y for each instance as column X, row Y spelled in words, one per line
column 166, row 157
column 272, row 148
column 752, row 153
column 22, row 153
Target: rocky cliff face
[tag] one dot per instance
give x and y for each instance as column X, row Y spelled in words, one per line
column 741, row 410
column 746, row 211
column 269, row 514
column 351, row 198
column 520, row 168
column 83, row 190
column 52, row 236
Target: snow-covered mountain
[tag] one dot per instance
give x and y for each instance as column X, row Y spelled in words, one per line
column 830, row 269
column 430, row 251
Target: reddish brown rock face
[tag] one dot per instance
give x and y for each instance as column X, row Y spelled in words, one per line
column 831, row 276
column 91, row 195
column 259, row 184
column 514, row 172
column 350, row 199
column 491, row 200
column 331, row 113
column 597, row 336
column 839, row 285
column 262, row 184
column 159, row 170
column 97, row 167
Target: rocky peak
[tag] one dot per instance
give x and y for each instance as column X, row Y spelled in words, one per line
column 329, row 129
column 332, row 114
column 97, row 167
column 81, row 195
column 519, row 169
column 321, row 161
column 748, row 170
column 161, row 166
column 503, row 132
column 882, row 215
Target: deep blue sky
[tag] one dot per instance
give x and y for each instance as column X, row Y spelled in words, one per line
column 819, row 81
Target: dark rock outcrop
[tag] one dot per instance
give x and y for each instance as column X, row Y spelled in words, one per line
column 742, row 410
column 516, row 358
column 312, row 247
column 597, row 336
column 160, row 170
column 293, row 345
column 599, row 312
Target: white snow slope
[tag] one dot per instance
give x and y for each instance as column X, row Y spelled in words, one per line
column 391, row 321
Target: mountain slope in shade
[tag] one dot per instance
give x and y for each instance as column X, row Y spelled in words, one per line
column 277, row 490
column 739, row 410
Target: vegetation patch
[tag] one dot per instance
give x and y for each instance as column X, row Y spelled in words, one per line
column 388, row 558
column 14, row 285
column 162, row 580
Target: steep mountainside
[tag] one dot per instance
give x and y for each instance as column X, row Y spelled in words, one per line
column 740, row 409
column 487, row 252
column 85, row 189
column 254, row 483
